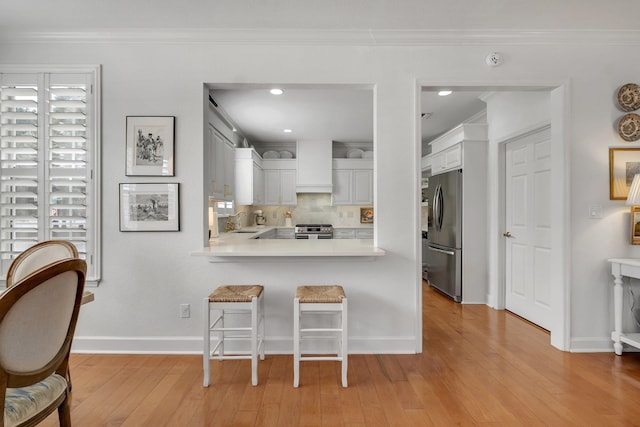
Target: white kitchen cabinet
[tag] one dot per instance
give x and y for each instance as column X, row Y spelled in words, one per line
column 288, row 193
column 258, row 184
column 448, row 150
column 352, row 182
column 362, row 187
column 447, row 160
column 249, row 177
column 344, row 233
column 353, row 233
column 221, row 154
column 364, row 233
column 341, row 194
column 279, row 186
column 285, row 233
column 425, row 163
column 272, row 187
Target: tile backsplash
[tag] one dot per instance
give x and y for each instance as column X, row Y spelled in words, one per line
column 312, row 208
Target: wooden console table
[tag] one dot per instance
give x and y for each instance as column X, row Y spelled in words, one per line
column 622, row 267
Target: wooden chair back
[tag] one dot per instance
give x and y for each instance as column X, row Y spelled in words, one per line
column 37, row 256
column 38, row 316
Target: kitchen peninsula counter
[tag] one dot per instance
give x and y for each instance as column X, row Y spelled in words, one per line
column 244, row 244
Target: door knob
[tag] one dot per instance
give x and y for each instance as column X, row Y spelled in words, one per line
column 507, row 234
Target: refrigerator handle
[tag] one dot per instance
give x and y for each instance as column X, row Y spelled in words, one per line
column 437, row 208
column 431, row 248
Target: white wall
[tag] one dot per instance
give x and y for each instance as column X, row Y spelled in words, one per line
column 147, row 275
column 508, row 115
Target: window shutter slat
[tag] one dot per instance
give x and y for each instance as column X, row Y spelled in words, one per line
column 18, row 160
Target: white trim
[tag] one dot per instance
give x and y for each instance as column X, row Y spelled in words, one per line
column 592, row 345
column 561, row 197
column 417, row 213
column 360, row 37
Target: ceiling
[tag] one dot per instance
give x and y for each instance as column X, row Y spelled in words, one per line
column 342, row 114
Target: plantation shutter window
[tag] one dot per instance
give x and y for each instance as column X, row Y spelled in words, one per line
column 48, row 189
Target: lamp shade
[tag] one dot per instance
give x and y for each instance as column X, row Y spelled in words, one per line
column 633, row 199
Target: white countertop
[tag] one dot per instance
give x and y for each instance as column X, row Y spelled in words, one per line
column 243, row 245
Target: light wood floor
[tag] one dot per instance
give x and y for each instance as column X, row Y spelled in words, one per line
column 479, row 367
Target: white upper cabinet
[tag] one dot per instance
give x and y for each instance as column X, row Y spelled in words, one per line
column 229, row 182
column 288, row 194
column 258, row 184
column 279, row 182
column 221, row 162
column 447, row 151
column 341, row 194
column 362, row 187
column 447, row 160
column 352, row 182
column 249, row 177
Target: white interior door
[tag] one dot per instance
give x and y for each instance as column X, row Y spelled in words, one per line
column 528, row 234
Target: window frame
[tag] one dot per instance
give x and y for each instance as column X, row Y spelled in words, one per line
column 94, row 208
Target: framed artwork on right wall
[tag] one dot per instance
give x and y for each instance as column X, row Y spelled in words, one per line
column 624, row 164
column 635, row 225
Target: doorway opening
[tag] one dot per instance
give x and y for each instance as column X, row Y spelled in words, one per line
column 506, row 112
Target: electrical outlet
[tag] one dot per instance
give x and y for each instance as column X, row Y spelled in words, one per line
column 185, row 310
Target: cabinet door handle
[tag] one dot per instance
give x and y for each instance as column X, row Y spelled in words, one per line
column 507, row 234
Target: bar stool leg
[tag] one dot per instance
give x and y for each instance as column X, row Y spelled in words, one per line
column 344, row 352
column 296, row 342
column 220, row 344
column 206, row 354
column 262, row 325
column 254, row 341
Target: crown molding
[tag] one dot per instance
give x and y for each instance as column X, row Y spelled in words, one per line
column 336, row 37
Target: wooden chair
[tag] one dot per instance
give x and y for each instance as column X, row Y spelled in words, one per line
column 38, row 316
column 38, row 256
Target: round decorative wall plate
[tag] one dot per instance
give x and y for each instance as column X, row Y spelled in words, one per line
column 629, row 97
column 629, row 127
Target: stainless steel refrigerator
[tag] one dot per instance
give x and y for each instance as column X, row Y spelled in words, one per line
column 444, row 265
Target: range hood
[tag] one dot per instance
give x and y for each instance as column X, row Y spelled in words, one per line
column 314, row 171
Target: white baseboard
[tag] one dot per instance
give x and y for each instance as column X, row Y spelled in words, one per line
column 591, row 345
column 193, row 345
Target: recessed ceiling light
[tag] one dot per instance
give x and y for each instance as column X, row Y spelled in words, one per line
column 287, row 131
column 276, row 91
column 445, row 92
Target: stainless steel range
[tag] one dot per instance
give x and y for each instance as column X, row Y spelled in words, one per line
column 314, row 231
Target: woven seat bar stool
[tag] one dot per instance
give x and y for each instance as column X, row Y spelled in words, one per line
column 327, row 299
column 241, row 300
